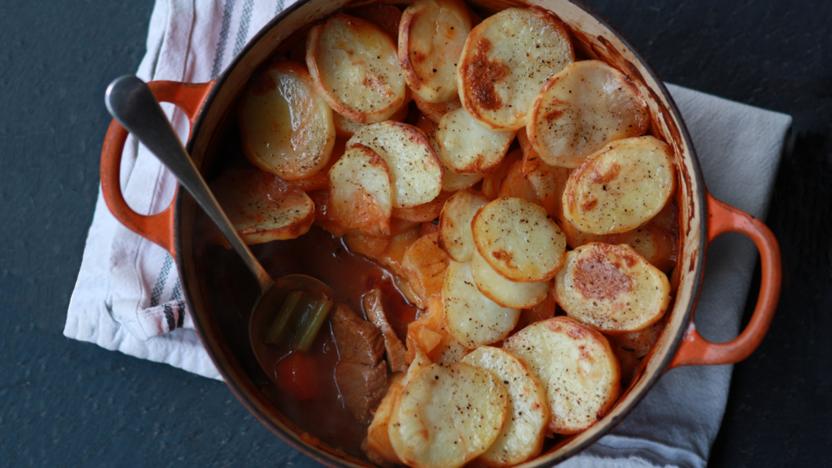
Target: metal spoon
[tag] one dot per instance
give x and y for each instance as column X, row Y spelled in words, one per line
column 130, row 101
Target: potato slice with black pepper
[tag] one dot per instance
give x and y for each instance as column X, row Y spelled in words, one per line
column 582, row 108
column 523, row 432
column 503, row 291
column 505, row 62
column 354, row 65
column 455, row 224
column 262, row 207
column 448, row 415
column 472, row 318
column 612, row 288
column 285, row 127
column 414, row 168
column 518, row 240
column 469, row 147
column 360, row 192
column 576, row 366
column 620, row 187
column 431, row 36
column 435, row 110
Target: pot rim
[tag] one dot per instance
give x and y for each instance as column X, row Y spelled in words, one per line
column 325, row 456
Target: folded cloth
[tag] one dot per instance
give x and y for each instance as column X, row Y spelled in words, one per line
column 128, row 296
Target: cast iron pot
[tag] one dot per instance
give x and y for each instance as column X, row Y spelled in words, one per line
column 702, row 218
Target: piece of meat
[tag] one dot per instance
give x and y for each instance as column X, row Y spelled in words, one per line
column 362, row 387
column 361, row 372
column 358, row 340
column 374, row 308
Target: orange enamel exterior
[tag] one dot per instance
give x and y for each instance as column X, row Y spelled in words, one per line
column 696, row 350
column 157, row 227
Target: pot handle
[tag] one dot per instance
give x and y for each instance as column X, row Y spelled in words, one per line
column 696, row 350
column 156, row 227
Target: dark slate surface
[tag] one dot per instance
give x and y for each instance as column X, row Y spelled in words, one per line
column 73, row 404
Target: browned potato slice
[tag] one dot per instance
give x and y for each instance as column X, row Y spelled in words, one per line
column 582, row 108
column 431, row 36
column 355, row 67
column 422, row 213
column 518, row 240
column 472, row 318
column 345, row 127
column 414, row 168
column 469, row 147
column 503, row 291
column 455, row 224
column 651, row 241
column 612, row 288
column 621, row 187
column 542, row 311
column 360, row 192
column 576, row 365
column 435, row 110
column 632, row 347
column 492, row 182
column 448, row 415
column 262, row 207
column 505, row 62
column 517, row 185
column 377, row 444
column 424, row 264
column 451, row 180
column 523, row 432
column 285, row 127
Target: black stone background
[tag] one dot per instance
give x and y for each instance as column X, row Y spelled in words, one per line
column 66, row 403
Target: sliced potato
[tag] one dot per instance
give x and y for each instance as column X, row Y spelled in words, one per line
column 435, row 110
column 631, row 348
column 360, row 192
column 620, row 187
column 516, row 184
column 523, row 432
column 472, row 318
column 503, row 291
column 469, row 147
column 422, row 213
column 377, row 444
column 368, row 246
column 455, row 224
column 262, row 207
column 451, row 180
column 576, row 365
column 285, row 127
column 424, row 264
column 354, row 65
column 431, row 36
column 345, row 127
column 547, row 183
column 518, row 240
column 505, row 62
column 651, row 241
column 414, row 168
column 612, row 288
column 492, row 182
column 582, row 108
column 448, row 415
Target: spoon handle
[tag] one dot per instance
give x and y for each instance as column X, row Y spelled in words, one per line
column 130, row 101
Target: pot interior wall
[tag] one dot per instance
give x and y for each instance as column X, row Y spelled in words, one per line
column 223, row 322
